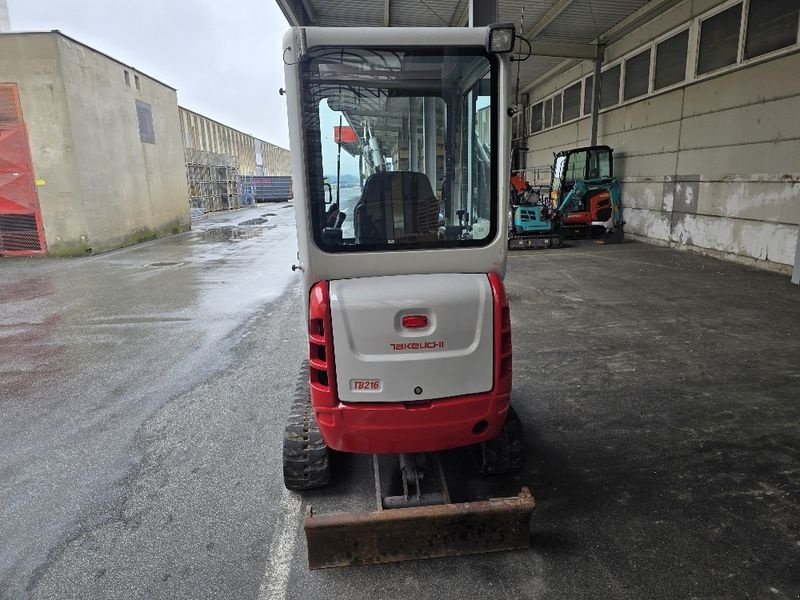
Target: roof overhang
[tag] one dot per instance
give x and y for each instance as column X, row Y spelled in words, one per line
column 561, row 32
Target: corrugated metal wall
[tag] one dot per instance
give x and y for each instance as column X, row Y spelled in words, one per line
column 218, row 155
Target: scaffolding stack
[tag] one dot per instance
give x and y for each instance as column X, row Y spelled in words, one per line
column 213, row 180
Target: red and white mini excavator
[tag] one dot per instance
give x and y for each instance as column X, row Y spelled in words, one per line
column 400, row 145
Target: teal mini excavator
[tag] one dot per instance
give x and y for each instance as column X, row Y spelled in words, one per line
column 584, row 200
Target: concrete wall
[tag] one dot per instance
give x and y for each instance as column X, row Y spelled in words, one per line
column 104, row 188
column 132, row 190
column 712, row 164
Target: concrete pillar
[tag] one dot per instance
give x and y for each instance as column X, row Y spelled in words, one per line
column 429, row 133
column 598, row 62
column 482, row 12
column 796, row 271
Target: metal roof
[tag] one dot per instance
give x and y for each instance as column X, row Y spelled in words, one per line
column 568, row 24
column 586, row 20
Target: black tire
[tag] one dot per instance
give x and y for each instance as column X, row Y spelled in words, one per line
column 506, row 452
column 305, row 453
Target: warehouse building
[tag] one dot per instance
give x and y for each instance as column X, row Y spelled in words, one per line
column 218, row 157
column 90, row 150
column 698, row 98
column 96, row 155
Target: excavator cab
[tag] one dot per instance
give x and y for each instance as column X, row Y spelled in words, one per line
column 402, row 260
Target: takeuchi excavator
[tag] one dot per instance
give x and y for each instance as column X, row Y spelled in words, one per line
column 399, row 140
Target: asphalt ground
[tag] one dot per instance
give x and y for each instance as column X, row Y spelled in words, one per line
column 144, row 391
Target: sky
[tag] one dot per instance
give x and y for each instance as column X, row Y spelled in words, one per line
column 224, row 57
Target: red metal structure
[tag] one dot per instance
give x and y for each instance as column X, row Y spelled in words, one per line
column 344, row 135
column 21, row 230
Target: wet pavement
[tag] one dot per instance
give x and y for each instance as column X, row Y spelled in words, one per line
column 92, row 348
column 144, row 393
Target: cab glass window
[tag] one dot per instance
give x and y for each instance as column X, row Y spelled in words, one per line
column 400, row 147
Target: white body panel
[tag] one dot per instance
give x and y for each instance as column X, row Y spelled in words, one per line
column 318, row 265
column 378, row 360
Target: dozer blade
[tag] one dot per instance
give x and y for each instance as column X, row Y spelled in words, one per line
column 343, row 539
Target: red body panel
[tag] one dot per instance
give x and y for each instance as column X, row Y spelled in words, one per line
column 389, row 428
column 518, row 183
column 585, row 217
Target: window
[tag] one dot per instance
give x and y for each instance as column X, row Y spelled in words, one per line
column 548, row 113
column 587, row 95
column 576, row 168
column 671, row 60
column 557, row 110
column 536, row 117
column 719, row 40
column 771, row 25
column 515, row 133
column 144, row 114
column 400, row 206
column 127, row 79
column 609, row 87
column 572, row 102
column 599, row 164
column 136, row 81
column 637, row 75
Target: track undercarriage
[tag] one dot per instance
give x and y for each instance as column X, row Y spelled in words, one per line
column 415, row 516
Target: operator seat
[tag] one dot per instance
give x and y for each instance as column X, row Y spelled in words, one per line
column 396, row 206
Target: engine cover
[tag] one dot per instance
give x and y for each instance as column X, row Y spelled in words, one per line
column 445, row 350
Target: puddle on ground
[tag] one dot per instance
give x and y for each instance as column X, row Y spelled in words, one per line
column 269, row 215
column 257, row 221
column 165, row 264
column 231, row 232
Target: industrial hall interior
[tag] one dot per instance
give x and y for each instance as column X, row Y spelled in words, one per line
column 673, row 77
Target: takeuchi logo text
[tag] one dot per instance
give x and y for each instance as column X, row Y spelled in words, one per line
column 403, row 346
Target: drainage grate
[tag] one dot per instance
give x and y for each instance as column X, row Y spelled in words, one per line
column 18, row 233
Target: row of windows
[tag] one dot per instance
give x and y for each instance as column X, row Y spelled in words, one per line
column 726, row 36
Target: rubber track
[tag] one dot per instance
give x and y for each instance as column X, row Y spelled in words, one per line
column 506, row 452
column 305, row 454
